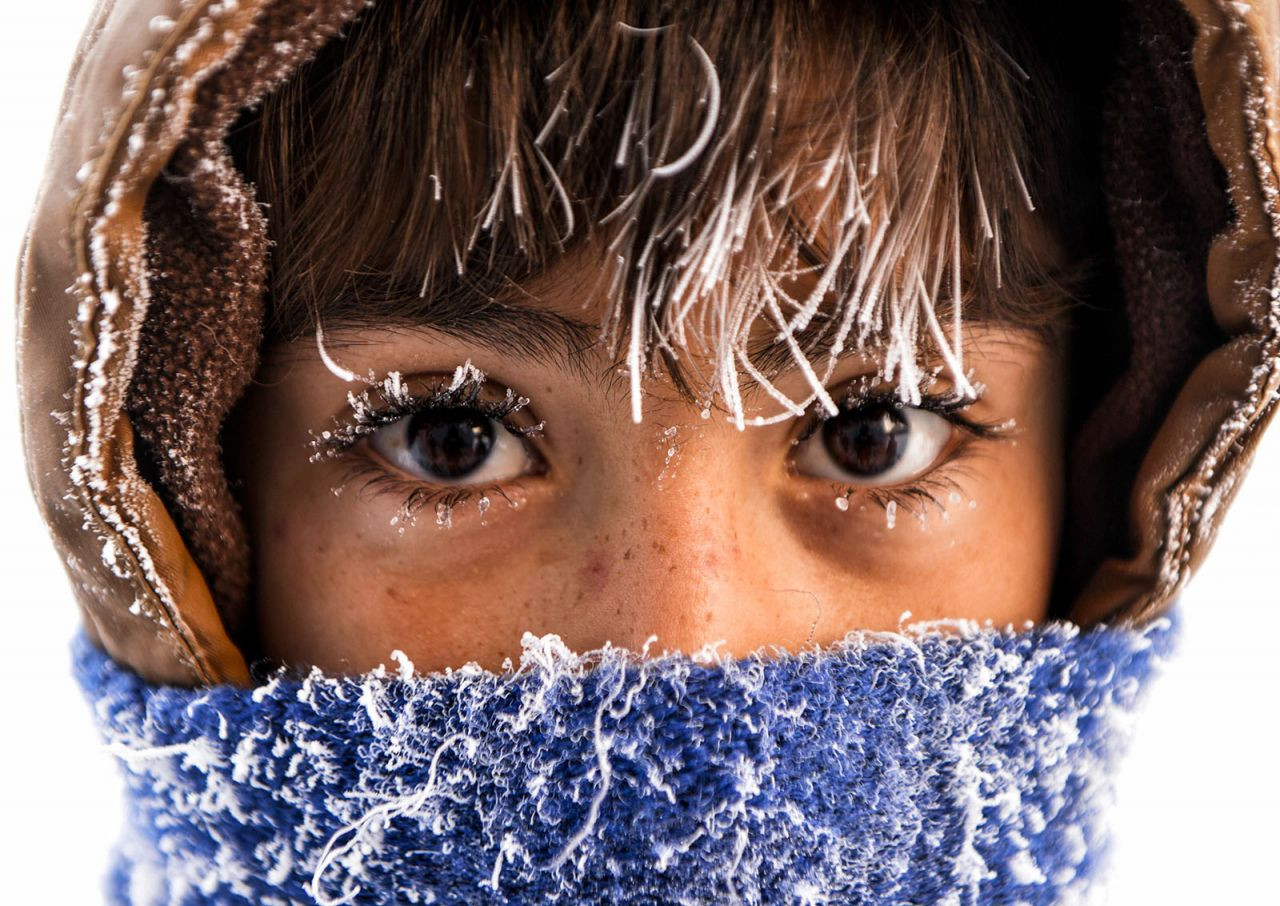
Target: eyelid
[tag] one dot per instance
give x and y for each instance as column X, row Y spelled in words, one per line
column 950, row 406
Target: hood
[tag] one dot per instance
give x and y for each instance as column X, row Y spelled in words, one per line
column 142, row 277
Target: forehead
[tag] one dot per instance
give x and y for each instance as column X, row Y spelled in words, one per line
column 570, row 288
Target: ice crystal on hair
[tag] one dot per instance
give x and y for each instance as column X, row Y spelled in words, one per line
column 696, row 270
column 743, row 208
column 337, row 370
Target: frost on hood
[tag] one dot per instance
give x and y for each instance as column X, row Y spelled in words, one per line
column 945, row 764
column 113, row 291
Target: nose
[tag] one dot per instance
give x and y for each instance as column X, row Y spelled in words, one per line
column 696, row 557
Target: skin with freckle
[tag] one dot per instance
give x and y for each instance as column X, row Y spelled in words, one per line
column 738, row 548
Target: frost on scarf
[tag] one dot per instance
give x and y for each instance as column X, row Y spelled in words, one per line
column 952, row 765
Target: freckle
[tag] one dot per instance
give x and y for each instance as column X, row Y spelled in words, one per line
column 579, row 460
column 627, row 554
column 617, row 611
column 671, row 568
column 706, row 618
column 659, row 547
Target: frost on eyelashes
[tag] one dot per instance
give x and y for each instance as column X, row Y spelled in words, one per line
column 371, row 408
column 389, row 400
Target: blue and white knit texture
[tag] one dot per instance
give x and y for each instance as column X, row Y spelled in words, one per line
column 948, row 765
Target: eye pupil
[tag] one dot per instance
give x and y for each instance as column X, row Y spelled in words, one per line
column 866, row 441
column 450, row 442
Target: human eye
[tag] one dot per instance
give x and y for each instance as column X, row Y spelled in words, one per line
column 442, row 444
column 453, row 445
column 893, row 454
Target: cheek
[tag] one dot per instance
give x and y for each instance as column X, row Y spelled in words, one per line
column 995, row 555
column 340, row 587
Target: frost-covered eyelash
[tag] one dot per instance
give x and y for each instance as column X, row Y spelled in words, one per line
column 950, row 406
column 414, row 496
column 915, row 498
column 394, row 401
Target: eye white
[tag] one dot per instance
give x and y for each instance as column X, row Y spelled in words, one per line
column 920, row 445
column 507, row 459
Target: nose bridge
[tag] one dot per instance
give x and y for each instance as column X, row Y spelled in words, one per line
column 687, row 492
column 690, row 569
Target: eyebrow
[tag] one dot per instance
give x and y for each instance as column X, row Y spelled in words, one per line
column 498, row 318
column 506, row 324
column 492, row 320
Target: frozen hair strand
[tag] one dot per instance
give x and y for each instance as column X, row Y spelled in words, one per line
column 829, row 178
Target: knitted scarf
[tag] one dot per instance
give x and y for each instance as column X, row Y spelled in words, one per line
column 946, row 764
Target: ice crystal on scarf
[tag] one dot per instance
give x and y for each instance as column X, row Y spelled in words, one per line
column 954, row 764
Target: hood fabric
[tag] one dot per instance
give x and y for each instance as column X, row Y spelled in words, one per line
column 952, row 765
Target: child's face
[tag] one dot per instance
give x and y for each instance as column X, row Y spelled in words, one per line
column 603, row 530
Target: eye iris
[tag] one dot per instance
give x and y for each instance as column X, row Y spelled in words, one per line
column 450, row 443
column 866, row 441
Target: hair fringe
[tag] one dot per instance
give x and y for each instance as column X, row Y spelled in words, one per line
column 849, row 181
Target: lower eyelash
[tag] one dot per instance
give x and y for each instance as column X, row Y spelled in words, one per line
column 376, row 482
column 913, row 499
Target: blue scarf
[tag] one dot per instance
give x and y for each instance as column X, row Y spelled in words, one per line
column 956, row 765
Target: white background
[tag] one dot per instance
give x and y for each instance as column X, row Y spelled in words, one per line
column 1199, row 808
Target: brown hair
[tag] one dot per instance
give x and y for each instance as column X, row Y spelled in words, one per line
column 440, row 151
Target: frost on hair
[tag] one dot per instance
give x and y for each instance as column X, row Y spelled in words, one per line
column 755, row 192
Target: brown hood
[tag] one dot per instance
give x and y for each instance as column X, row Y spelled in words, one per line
column 141, row 283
